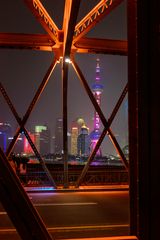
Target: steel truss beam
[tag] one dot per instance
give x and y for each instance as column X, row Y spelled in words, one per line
column 26, row 116
column 103, row 134
column 18, row 205
column 26, row 41
column 101, row 46
column 69, row 22
column 43, row 42
column 103, row 119
column 43, row 18
column 55, row 40
column 103, row 8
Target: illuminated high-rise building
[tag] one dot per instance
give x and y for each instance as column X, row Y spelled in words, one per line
column 27, row 147
column 83, row 141
column 74, row 136
column 75, row 130
column 5, row 134
column 58, row 146
column 42, row 139
column 97, row 89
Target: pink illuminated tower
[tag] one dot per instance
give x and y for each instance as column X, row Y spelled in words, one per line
column 97, row 89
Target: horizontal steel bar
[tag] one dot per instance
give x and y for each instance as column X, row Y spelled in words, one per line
column 26, row 41
column 103, row 46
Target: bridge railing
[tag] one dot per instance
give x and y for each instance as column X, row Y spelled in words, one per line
column 107, row 175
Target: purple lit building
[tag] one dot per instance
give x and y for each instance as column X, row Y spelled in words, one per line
column 5, row 134
column 97, row 89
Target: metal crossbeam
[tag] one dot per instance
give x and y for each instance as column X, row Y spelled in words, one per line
column 101, row 46
column 100, row 113
column 26, row 116
column 41, row 42
column 69, row 22
column 100, row 140
column 31, row 106
column 43, row 18
column 41, row 160
column 103, row 8
column 18, row 205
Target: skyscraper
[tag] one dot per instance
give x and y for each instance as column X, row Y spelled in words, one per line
column 75, row 130
column 5, row 134
column 83, row 142
column 42, row 140
column 74, row 137
column 58, row 147
column 27, row 147
column 97, row 89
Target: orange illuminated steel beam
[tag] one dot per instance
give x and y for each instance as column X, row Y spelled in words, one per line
column 69, row 22
column 44, row 19
column 26, row 41
column 103, row 8
column 65, row 28
column 101, row 46
column 43, row 42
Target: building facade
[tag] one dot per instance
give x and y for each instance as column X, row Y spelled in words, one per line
column 42, row 139
column 5, row 135
column 74, row 137
column 83, row 142
column 75, row 131
column 58, row 145
column 97, row 89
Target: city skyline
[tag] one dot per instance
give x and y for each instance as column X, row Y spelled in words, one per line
column 23, row 70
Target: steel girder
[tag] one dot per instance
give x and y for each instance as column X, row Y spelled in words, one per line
column 43, row 42
column 18, row 205
column 103, row 8
column 55, row 39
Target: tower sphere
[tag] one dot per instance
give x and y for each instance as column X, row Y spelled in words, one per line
column 80, row 121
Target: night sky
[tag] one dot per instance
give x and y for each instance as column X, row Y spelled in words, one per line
column 21, row 71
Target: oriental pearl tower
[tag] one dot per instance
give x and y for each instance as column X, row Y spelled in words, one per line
column 97, row 89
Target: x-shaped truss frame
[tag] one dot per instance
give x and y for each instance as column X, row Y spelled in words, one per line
column 65, row 43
